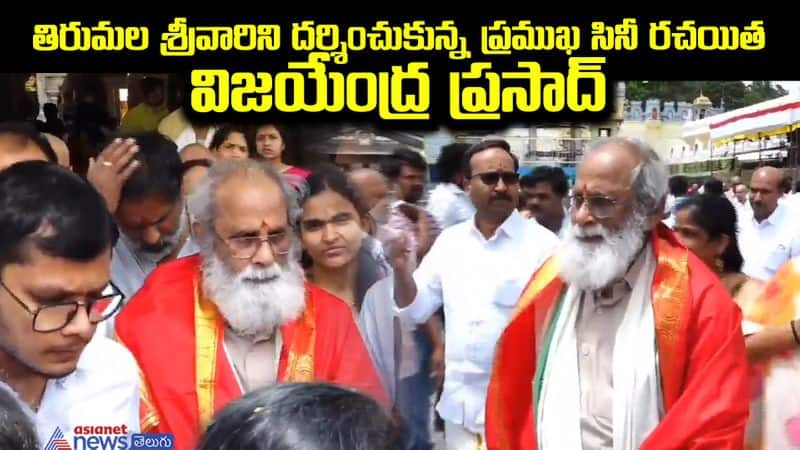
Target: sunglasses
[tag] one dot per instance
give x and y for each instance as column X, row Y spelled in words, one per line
column 492, row 178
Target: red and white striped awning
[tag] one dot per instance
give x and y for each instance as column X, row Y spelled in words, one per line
column 769, row 118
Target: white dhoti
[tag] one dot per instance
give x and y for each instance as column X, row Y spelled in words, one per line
column 456, row 437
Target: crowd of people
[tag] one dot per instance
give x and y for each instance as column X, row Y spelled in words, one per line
column 193, row 283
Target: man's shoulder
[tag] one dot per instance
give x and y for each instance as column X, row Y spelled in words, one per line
column 173, row 124
column 167, row 288
column 538, row 235
column 177, row 272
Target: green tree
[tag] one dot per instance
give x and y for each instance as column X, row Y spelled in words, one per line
column 735, row 93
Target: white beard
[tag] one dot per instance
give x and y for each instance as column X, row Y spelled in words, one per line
column 255, row 301
column 593, row 266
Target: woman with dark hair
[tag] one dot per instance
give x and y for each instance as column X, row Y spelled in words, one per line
column 304, row 416
column 338, row 257
column 706, row 225
column 270, row 142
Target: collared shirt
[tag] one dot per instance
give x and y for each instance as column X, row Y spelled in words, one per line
column 143, row 117
column 565, row 224
column 744, row 212
column 254, row 360
column 103, row 390
column 599, row 316
column 128, row 273
column 478, row 281
column 766, row 246
column 400, row 222
column 189, row 137
column 450, row 205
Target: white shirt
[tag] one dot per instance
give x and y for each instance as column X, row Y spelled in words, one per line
column 189, row 137
column 479, row 282
column 450, row 205
column 744, row 212
column 103, row 390
column 565, row 224
column 766, row 246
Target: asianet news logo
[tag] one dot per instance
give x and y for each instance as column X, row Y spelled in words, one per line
column 108, row 438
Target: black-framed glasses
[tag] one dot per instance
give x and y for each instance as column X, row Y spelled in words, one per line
column 492, row 178
column 245, row 247
column 600, row 206
column 55, row 316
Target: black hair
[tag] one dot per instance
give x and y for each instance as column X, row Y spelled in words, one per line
column 797, row 186
column 24, row 133
column 252, row 131
column 713, row 186
column 554, row 176
column 716, row 216
column 329, row 177
column 160, row 171
column 450, row 162
column 45, row 206
column 152, row 84
column 485, row 145
column 401, row 156
column 17, row 431
column 678, row 185
column 50, row 110
column 304, row 416
column 226, row 130
column 332, row 178
column 786, row 183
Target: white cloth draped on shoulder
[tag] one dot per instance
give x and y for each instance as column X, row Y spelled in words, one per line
column 637, row 398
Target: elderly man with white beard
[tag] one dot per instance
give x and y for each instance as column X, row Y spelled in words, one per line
column 623, row 339
column 239, row 316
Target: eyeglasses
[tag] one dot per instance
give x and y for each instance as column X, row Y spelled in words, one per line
column 601, row 207
column 491, row 178
column 245, row 247
column 56, row 316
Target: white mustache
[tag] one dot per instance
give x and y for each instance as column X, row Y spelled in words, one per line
column 588, row 231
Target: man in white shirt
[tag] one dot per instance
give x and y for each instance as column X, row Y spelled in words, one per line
column 448, row 202
column 140, row 179
column 771, row 236
column 476, row 270
column 744, row 212
column 179, row 130
column 55, row 259
column 545, row 190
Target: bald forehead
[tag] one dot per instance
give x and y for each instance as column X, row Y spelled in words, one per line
column 367, row 177
column 248, row 181
column 612, row 161
column 769, row 175
column 195, row 151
